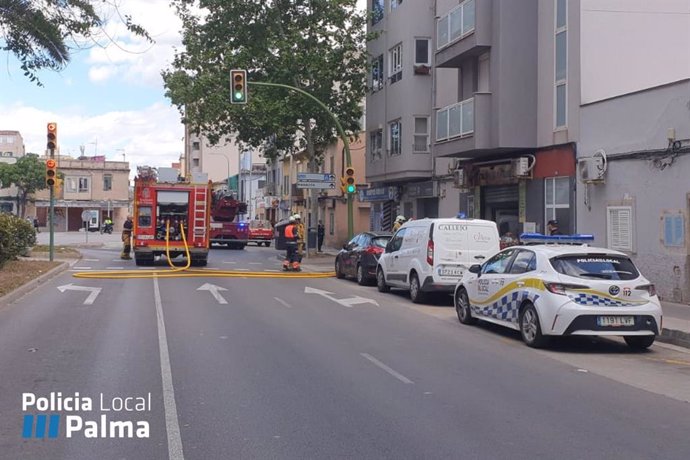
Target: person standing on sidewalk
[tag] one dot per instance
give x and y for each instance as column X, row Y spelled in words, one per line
column 127, row 239
column 320, row 233
column 36, row 225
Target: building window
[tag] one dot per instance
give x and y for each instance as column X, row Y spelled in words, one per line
column 395, row 63
column 107, row 182
column 83, row 184
column 71, row 184
column 561, row 64
column 195, row 162
column 377, row 74
column 331, row 223
column 674, row 230
column 456, row 24
column 557, row 202
column 395, row 4
column 377, row 11
column 195, row 145
column 421, row 134
column 619, row 228
column 394, row 144
column 376, row 143
column 422, row 51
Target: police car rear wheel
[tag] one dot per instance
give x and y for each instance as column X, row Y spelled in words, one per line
column 462, row 307
column 639, row 342
column 530, row 330
column 381, row 281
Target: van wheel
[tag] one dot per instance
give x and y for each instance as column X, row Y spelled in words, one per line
column 381, row 281
column 530, row 330
column 462, row 307
column 416, row 294
column 639, row 342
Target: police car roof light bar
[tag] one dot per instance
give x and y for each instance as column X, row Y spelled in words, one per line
column 538, row 238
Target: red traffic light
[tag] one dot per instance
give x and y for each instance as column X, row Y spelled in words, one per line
column 52, row 136
column 51, row 172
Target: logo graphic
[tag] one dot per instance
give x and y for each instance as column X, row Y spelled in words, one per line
column 52, row 422
column 614, row 290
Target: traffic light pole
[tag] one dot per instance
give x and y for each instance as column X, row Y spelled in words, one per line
column 51, row 216
column 341, row 132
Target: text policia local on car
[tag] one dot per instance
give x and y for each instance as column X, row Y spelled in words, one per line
column 90, row 428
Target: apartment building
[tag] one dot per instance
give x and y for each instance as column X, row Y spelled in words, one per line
column 89, row 184
column 399, row 109
column 634, row 141
column 11, row 148
column 218, row 161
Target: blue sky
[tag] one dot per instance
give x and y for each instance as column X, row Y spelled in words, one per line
column 110, row 99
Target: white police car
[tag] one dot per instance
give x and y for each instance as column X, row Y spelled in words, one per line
column 560, row 286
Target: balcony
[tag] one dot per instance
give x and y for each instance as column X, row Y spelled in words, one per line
column 464, row 126
column 463, row 32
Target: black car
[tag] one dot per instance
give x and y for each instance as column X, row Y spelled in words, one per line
column 359, row 256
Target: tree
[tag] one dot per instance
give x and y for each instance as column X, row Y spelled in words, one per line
column 315, row 45
column 27, row 174
column 42, row 33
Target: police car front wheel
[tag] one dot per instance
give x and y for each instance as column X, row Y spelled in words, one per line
column 462, row 307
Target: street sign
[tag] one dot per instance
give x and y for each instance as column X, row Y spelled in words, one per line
column 316, row 185
column 315, row 177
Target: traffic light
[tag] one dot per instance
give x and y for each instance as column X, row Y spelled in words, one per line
column 343, row 185
column 238, row 86
column 52, row 136
column 350, row 181
column 51, row 172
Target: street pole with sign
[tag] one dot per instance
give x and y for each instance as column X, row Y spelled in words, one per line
column 51, row 145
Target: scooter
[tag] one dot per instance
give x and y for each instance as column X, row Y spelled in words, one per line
column 107, row 228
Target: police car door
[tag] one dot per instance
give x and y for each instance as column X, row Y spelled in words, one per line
column 486, row 287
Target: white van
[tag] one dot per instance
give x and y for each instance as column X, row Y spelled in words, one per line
column 430, row 255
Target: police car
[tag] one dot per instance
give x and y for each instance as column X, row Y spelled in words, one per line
column 559, row 286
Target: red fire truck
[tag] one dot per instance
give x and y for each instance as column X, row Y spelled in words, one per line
column 179, row 206
column 225, row 209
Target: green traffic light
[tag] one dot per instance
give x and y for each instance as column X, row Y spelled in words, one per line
column 238, row 96
column 350, row 189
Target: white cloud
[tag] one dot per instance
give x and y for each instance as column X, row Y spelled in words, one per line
column 151, row 136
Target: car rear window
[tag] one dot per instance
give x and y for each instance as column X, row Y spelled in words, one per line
column 596, row 266
column 380, row 241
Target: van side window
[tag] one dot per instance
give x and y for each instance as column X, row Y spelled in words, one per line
column 396, row 241
column 525, row 261
column 498, row 263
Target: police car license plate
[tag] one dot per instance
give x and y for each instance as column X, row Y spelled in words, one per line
column 450, row 271
column 615, row 321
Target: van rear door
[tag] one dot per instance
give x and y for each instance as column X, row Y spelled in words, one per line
column 459, row 245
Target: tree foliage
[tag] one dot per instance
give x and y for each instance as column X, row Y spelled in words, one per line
column 315, row 45
column 43, row 33
column 27, row 174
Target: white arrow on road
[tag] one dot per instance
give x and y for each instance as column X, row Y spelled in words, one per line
column 213, row 289
column 93, row 290
column 344, row 302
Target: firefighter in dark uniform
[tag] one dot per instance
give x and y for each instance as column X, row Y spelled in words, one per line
column 127, row 239
column 291, row 243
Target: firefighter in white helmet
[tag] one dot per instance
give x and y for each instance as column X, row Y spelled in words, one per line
column 300, row 242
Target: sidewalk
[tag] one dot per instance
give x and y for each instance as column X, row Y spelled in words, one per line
column 81, row 239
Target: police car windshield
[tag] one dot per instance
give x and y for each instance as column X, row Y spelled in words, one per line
column 595, row 266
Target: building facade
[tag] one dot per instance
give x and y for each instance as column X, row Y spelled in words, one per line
column 11, row 148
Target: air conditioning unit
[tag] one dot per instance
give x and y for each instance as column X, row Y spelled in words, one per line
column 522, row 167
column 592, row 169
column 459, row 179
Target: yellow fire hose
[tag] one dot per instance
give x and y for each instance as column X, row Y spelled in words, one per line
column 186, row 272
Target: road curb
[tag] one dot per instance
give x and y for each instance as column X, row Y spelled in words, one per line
column 675, row 337
column 24, row 289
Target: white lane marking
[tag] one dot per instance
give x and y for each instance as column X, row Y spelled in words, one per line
column 271, row 270
column 242, row 269
column 256, row 263
column 119, row 260
column 226, row 262
column 171, row 424
column 282, row 302
column 349, row 302
column 93, row 291
column 114, row 268
column 392, row 372
column 213, row 289
column 82, row 268
column 90, row 260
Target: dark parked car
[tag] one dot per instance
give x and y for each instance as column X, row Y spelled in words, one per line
column 359, row 256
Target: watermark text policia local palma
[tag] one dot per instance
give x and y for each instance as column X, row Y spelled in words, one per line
column 42, row 416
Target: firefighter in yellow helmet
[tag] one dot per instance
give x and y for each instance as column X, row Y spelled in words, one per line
column 127, row 239
column 399, row 221
column 290, row 242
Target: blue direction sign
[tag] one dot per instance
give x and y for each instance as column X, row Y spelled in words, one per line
column 315, row 177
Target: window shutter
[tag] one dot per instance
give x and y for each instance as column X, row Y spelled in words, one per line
column 619, row 227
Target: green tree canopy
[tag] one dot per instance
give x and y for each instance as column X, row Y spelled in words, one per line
column 315, row 45
column 27, row 174
column 43, row 33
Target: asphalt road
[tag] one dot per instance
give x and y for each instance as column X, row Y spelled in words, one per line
column 263, row 369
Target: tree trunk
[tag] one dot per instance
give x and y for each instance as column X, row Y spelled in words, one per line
column 313, row 167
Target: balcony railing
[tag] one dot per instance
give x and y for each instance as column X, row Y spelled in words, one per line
column 456, row 24
column 455, row 120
